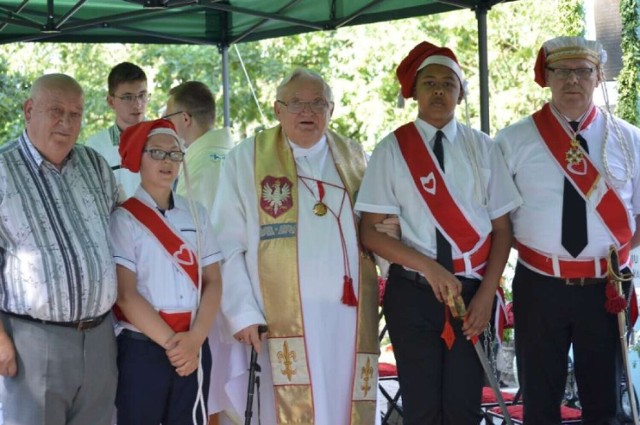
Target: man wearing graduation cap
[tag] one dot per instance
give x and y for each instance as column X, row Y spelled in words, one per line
column 451, row 190
column 577, row 169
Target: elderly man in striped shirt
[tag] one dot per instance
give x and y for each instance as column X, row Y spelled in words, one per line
column 57, row 276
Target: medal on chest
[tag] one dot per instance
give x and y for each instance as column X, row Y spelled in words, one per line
column 574, row 154
column 320, row 209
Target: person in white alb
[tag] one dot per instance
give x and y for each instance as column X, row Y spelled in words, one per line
column 169, row 286
column 577, row 168
column 285, row 222
column 452, row 193
column 128, row 97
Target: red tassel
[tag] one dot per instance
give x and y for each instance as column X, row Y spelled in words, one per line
column 615, row 302
column 447, row 331
column 615, row 305
column 348, row 294
column 610, row 291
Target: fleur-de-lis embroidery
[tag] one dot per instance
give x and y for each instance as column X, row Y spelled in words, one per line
column 366, row 373
column 287, row 358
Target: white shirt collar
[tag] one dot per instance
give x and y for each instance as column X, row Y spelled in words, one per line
column 450, row 130
column 299, row 151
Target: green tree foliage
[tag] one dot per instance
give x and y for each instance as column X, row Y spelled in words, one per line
column 571, row 16
column 359, row 62
column 12, row 89
column 628, row 80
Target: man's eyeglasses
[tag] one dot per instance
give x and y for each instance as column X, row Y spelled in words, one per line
column 160, row 155
column 173, row 114
column 131, row 98
column 319, row 106
column 564, row 73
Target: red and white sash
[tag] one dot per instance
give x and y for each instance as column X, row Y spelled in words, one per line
column 449, row 218
column 584, row 176
column 177, row 250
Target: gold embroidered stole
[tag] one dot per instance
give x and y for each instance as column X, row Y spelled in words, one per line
column 277, row 190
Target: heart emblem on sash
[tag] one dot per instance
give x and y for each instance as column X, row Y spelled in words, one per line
column 184, row 256
column 579, row 168
column 429, row 183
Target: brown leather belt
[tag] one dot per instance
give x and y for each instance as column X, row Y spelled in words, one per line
column 80, row 325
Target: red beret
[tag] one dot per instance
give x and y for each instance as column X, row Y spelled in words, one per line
column 420, row 56
column 134, row 139
column 539, row 68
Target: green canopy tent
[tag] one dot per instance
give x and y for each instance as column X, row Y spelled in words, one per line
column 217, row 22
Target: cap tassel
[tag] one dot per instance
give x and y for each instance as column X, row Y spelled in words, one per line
column 447, row 331
column 348, row 294
column 615, row 302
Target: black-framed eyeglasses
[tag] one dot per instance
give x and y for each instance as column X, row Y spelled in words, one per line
column 131, row 98
column 564, row 73
column 166, row 117
column 160, row 155
column 319, row 106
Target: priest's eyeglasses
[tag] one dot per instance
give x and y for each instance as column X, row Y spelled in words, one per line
column 565, row 73
column 319, row 106
column 160, row 155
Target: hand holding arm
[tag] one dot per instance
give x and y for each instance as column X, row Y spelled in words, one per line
column 441, row 280
column 390, row 226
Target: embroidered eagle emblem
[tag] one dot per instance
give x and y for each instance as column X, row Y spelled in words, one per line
column 275, row 199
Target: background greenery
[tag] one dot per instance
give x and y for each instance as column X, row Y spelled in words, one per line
column 359, row 62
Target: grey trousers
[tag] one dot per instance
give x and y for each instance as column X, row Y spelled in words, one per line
column 64, row 376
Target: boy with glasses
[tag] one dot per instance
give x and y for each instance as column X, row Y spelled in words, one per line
column 128, row 97
column 169, row 286
column 191, row 108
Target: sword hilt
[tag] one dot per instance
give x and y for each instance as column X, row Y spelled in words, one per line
column 459, row 311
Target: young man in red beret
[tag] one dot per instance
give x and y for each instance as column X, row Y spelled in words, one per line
column 577, row 168
column 169, row 285
column 450, row 188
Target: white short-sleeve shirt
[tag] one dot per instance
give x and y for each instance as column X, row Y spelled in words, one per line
column 388, row 187
column 160, row 281
column 538, row 222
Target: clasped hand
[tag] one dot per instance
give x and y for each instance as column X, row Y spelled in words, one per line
column 183, row 352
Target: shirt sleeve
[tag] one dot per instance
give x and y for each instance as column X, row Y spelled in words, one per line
column 503, row 194
column 122, row 239
column 376, row 194
column 211, row 250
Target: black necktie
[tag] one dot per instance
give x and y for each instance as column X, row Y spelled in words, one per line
column 574, row 211
column 443, row 246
